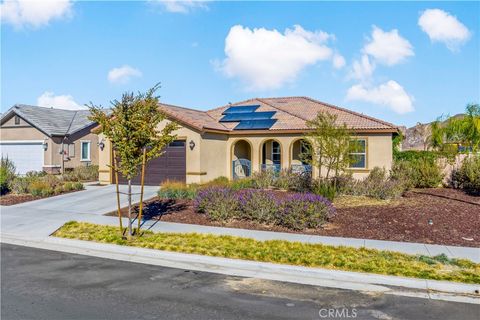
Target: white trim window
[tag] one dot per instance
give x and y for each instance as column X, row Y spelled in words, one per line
column 358, row 154
column 85, row 150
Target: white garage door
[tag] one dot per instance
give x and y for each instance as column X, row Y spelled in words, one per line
column 27, row 156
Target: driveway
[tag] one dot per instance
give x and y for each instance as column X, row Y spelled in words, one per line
column 41, row 217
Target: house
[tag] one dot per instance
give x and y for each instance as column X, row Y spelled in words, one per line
column 34, row 137
column 257, row 134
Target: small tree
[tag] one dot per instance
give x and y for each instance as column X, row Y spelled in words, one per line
column 330, row 145
column 465, row 130
column 436, row 138
column 131, row 126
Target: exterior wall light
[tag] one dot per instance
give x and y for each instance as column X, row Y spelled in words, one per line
column 192, row 144
column 45, row 146
column 101, row 145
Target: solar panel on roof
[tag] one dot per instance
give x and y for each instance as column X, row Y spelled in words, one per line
column 233, row 117
column 255, row 124
column 241, row 109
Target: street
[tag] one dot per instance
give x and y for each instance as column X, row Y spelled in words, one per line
column 41, row 284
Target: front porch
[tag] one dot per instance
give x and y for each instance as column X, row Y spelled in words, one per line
column 272, row 154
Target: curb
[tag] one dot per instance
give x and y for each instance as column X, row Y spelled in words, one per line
column 431, row 289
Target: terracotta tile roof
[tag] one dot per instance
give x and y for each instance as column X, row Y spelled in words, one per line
column 292, row 113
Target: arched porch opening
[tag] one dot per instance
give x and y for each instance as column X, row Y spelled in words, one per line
column 300, row 151
column 271, row 155
column 241, row 159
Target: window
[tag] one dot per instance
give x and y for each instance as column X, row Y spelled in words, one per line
column 275, row 152
column 358, row 154
column 85, row 150
column 71, row 150
column 177, row 144
column 17, row 120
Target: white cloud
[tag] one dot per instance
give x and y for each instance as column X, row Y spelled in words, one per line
column 267, row 59
column 389, row 94
column 50, row 100
column 389, row 47
column 338, row 61
column 363, row 69
column 443, row 27
column 34, row 13
column 123, row 74
column 181, row 6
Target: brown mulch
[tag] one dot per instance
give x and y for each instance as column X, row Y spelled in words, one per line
column 11, row 199
column 455, row 216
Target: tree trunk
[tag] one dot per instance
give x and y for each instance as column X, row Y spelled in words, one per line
column 129, row 209
column 141, row 191
column 115, row 169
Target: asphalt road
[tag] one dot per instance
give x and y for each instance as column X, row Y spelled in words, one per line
column 41, row 284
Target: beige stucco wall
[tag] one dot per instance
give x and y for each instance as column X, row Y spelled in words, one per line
column 213, row 153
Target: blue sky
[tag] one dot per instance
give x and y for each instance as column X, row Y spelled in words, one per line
column 402, row 62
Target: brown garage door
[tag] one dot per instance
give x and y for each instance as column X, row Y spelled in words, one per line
column 171, row 165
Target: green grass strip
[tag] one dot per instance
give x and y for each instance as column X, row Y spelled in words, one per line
column 285, row 252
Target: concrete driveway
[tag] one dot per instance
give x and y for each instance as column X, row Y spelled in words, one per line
column 41, row 217
column 93, row 200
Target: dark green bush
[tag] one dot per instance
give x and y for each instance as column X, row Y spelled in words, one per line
column 7, row 174
column 467, row 177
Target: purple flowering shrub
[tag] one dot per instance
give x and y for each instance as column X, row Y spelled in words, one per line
column 257, row 205
column 218, row 203
column 295, row 211
column 300, row 211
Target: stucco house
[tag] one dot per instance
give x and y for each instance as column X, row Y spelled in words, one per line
column 34, row 137
column 262, row 133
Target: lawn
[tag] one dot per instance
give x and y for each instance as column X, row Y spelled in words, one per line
column 284, row 252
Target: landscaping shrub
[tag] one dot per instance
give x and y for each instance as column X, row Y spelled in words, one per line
column 291, row 210
column 299, row 211
column 220, row 181
column 376, row 185
column 264, row 179
column 403, row 171
column 293, row 181
column 245, row 183
column 218, row 203
column 427, row 173
column 7, row 174
column 71, row 186
column 467, row 177
column 177, row 190
column 324, row 187
column 82, row 173
column 20, row 185
column 257, row 205
column 40, row 188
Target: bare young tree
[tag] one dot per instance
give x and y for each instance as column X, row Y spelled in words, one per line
column 131, row 126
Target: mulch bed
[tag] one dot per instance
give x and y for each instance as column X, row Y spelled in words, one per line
column 455, row 216
column 10, row 199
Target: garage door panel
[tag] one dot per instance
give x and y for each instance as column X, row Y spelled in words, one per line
column 171, row 165
column 27, row 156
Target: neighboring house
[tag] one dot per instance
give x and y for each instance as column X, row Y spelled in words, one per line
column 34, row 137
column 236, row 140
